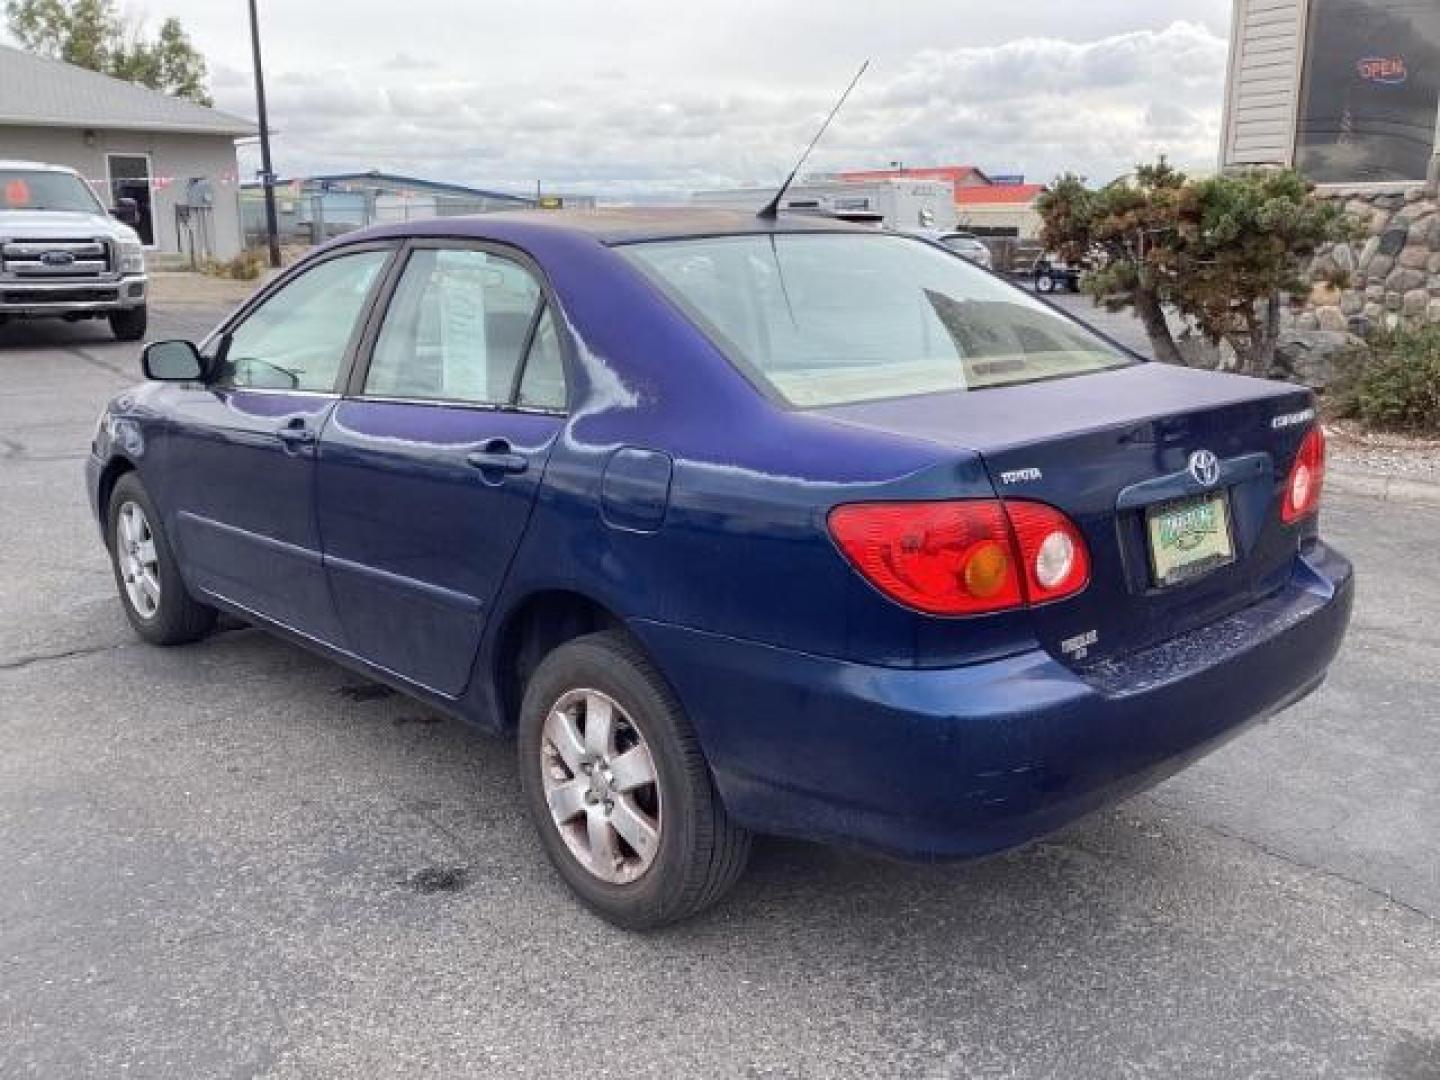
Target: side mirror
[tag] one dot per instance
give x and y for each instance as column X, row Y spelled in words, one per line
column 172, row 361
column 126, row 210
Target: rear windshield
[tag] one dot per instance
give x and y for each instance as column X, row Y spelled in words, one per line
column 831, row 318
column 25, row 189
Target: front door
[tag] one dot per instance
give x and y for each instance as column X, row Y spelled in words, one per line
column 130, row 179
column 243, row 447
column 427, row 473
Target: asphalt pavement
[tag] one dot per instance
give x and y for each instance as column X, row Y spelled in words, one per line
column 236, row 860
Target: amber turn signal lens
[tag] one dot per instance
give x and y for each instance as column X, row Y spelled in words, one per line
column 987, row 569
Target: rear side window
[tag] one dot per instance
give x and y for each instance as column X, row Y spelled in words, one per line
column 456, row 328
column 830, row 318
column 542, row 386
column 297, row 338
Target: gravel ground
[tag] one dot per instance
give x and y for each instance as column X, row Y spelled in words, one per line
column 1383, row 453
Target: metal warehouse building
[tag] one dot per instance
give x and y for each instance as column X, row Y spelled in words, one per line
column 176, row 159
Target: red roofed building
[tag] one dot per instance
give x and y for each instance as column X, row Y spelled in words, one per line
column 981, row 205
column 962, row 176
column 998, row 194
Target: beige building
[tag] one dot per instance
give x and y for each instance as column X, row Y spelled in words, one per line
column 176, row 159
column 1346, row 91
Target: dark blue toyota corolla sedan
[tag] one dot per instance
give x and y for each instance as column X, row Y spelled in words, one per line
column 738, row 525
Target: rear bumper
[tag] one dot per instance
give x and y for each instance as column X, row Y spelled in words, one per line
column 56, row 299
column 959, row 762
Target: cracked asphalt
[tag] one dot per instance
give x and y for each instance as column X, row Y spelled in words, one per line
column 236, row 860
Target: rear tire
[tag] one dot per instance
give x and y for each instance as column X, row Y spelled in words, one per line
column 1044, row 283
column 692, row 854
column 155, row 599
column 130, row 324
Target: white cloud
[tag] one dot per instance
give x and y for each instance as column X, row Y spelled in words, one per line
column 1037, row 104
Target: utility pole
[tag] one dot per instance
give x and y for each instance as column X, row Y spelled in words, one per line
column 267, row 174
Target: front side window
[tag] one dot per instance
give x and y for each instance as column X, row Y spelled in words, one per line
column 41, row 189
column 830, row 318
column 297, row 338
column 456, row 328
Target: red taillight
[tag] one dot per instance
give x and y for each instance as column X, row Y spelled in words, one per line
column 963, row 557
column 1307, row 475
column 1052, row 551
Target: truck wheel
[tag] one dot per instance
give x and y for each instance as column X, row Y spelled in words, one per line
column 618, row 788
column 1044, row 282
column 129, row 325
column 155, row 599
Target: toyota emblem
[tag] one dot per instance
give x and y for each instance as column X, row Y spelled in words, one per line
column 1205, row 468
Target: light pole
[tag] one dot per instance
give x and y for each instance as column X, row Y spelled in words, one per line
column 267, row 174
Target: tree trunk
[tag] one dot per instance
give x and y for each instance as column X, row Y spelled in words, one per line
column 1152, row 315
column 1263, row 326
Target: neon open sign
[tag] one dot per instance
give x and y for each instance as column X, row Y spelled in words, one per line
column 1386, row 70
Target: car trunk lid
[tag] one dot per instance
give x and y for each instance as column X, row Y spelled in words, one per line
column 1106, row 449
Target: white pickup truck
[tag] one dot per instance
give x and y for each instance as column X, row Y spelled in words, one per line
column 63, row 255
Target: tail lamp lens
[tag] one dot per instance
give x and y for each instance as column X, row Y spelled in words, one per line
column 1307, row 475
column 964, row 557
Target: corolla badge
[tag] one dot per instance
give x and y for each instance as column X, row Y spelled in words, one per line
column 1385, row 70
column 1205, row 468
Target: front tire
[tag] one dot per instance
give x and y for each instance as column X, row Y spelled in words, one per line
column 619, row 790
column 154, row 597
column 1044, row 282
column 130, row 324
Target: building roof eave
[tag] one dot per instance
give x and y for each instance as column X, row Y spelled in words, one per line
column 239, row 129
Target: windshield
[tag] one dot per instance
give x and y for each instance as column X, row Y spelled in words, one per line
column 831, row 318
column 25, row 189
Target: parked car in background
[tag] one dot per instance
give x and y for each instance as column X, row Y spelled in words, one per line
column 63, row 255
column 963, row 244
column 1051, row 273
column 969, row 246
column 738, row 525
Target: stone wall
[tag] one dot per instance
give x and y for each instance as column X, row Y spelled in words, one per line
column 1394, row 270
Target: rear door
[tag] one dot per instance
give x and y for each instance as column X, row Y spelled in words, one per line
column 241, row 449
column 430, row 465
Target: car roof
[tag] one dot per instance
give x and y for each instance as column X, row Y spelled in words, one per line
column 36, row 166
column 622, row 225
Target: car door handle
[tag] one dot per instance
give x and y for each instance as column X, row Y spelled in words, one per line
column 497, row 457
column 295, row 435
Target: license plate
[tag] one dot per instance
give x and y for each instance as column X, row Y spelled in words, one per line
column 1189, row 537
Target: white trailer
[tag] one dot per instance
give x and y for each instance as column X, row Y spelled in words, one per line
column 900, row 204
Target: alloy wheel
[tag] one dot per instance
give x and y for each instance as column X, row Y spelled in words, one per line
column 601, row 786
column 138, row 560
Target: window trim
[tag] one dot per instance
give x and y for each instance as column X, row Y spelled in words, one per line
column 353, row 388
column 219, row 338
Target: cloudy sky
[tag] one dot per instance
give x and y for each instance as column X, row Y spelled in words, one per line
column 639, row 96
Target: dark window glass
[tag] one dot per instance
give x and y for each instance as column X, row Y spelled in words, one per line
column 296, row 339
column 1372, row 82
column 455, row 328
column 23, row 189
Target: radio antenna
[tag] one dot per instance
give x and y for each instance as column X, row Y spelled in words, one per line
column 772, row 208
